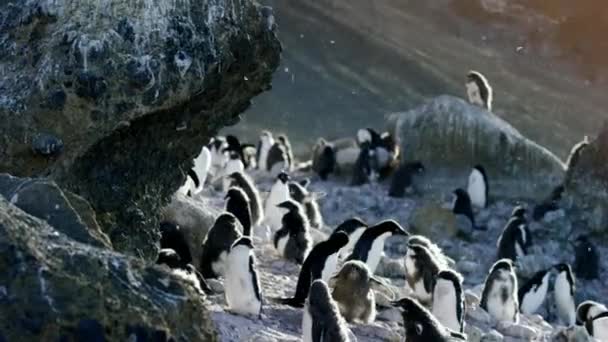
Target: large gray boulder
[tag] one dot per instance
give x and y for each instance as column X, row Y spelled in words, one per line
column 53, row 288
column 450, row 136
column 113, row 99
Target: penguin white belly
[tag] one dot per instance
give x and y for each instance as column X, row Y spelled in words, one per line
column 306, row 326
column 473, row 94
column 202, row 163
column 352, row 241
column 600, row 329
column 444, row 306
column 375, row 252
column 501, row 311
column 477, row 189
column 383, row 156
column 564, row 301
column 239, row 289
column 235, row 165
column 282, row 243
column 534, row 299
column 420, row 292
column 278, row 194
column 330, row 267
column 188, row 186
column 347, row 156
column 219, row 266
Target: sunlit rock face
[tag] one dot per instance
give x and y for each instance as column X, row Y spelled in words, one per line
column 114, row 98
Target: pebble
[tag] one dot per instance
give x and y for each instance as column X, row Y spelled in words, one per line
column 517, row 330
column 492, row 336
column 479, row 315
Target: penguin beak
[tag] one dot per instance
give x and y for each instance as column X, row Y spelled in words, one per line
column 402, row 232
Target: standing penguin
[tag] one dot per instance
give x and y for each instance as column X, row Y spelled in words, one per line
column 308, row 200
column 293, row 240
column 191, row 185
column 589, row 310
column 241, row 180
column 246, row 152
column 283, row 140
column 277, row 160
column 217, row 147
column 442, row 260
column 598, row 327
column 448, row 300
column 421, row 268
column 172, row 237
column 323, row 159
column 364, row 170
column 421, row 326
column 321, row 320
column 234, row 164
column 237, row 203
column 354, row 228
column 564, row 294
column 370, row 246
column 242, row 287
column 369, row 136
column 196, row 177
column 320, row 263
column 499, row 296
column 354, row 294
column 512, row 243
column 479, row 90
column 171, row 259
column 264, row 145
column 478, row 187
column 461, row 205
column 216, row 246
column 586, row 259
column 532, row 295
column 404, row 177
column 279, row 193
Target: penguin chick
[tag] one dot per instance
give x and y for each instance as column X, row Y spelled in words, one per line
column 321, row 319
column 478, row 187
column 308, row 200
column 242, row 287
column 461, row 205
column 589, row 310
column 277, row 160
column 421, row 326
column 563, row 292
column 171, row 259
column 293, row 240
column 479, row 91
column 216, row 246
column 279, row 193
column 442, row 260
column 499, row 296
column 587, row 259
column 353, row 292
column 323, row 159
column 354, row 227
column 265, row 143
column 448, row 304
column 241, row 180
column 421, row 268
column 320, row 263
column 171, row 236
column 404, row 177
column 237, row 203
column 370, row 246
column 532, row 295
column 512, row 243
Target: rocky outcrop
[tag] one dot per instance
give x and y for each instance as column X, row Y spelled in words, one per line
column 113, row 99
column 450, row 136
column 53, row 288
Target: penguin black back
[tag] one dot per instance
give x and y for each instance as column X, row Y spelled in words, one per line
column 224, row 232
column 300, row 194
column 403, row 178
column 364, row 245
column 327, row 323
column 363, row 168
column 462, row 206
column 350, row 225
column 587, row 259
column 513, row 240
column 237, row 203
column 533, row 283
column 324, row 163
column 295, row 227
column 172, row 237
column 277, row 155
column 283, row 140
column 420, row 325
column 242, row 181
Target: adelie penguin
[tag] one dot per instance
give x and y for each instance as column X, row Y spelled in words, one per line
column 247, row 152
column 278, row 159
column 196, row 177
column 513, row 240
column 329, row 157
column 234, row 164
column 448, row 300
column 241, row 180
column 321, row 320
column 370, row 246
column 216, row 246
column 461, row 205
column 421, row 326
column 170, row 258
column 365, row 167
column 279, row 193
column 534, row 292
column 354, row 228
column 594, row 316
column 323, row 159
column 242, row 286
column 237, row 203
column 320, row 263
column 499, row 296
column 421, row 268
column 172, row 237
column 308, row 200
column 264, row 145
column 479, row 91
column 217, row 147
column 403, row 179
column 293, row 240
column 586, row 259
column 478, row 187
column 563, row 292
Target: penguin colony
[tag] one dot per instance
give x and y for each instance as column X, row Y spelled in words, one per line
column 336, row 282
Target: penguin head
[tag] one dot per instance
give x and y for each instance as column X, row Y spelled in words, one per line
column 391, row 226
column 226, row 219
column 244, row 241
column 169, row 257
column 338, row 239
column 266, row 138
column 289, row 205
column 415, row 317
column 351, row 225
column 520, row 212
column 283, row 140
column 565, row 269
column 354, row 271
column 297, row 191
column 236, row 177
column 217, row 144
column 364, row 135
column 502, row 267
column 587, row 310
column 418, row 258
column 233, row 143
column 319, row 295
column 237, row 194
column 283, row 177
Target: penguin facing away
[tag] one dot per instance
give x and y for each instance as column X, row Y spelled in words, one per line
column 512, row 243
column 172, row 237
column 499, row 296
column 320, row 263
column 283, row 140
column 308, row 200
column 587, row 259
column 479, row 91
column 354, row 227
column 277, row 160
column 564, row 288
column 421, row 268
column 279, row 193
column 520, row 212
column 321, row 320
column 353, row 292
column 403, row 178
column 242, row 286
column 171, row 259
column 364, row 169
column 461, row 205
column 478, row 187
column 533, row 294
column 264, row 145
column 323, row 159
column 216, row 246
column 370, row 246
column 448, row 304
column 589, row 310
column 421, row 326
column 237, row 203
column 241, row 180
column 293, row 240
